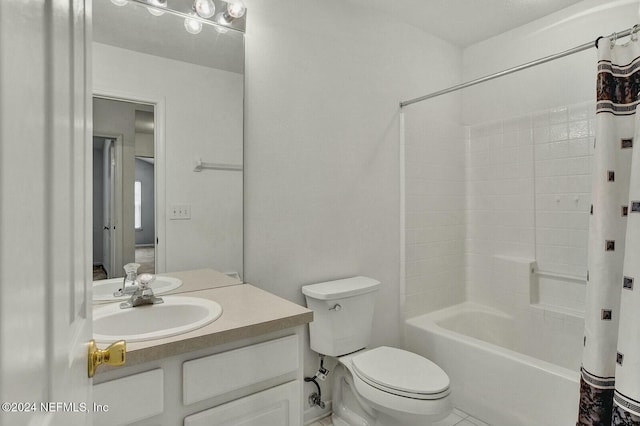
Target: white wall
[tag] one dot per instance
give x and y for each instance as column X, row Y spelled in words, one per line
column 323, row 85
column 203, row 112
column 528, row 156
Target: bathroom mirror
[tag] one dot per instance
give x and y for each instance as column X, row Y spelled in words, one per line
column 168, row 104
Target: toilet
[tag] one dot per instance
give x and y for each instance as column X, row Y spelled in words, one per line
column 383, row 386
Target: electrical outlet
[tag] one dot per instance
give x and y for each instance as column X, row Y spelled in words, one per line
column 180, row 212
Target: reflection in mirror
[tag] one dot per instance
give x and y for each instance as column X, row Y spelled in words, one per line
column 181, row 95
column 123, row 187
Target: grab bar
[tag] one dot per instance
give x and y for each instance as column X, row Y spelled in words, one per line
column 199, row 165
column 569, row 277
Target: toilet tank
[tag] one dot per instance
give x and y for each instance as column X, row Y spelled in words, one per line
column 342, row 314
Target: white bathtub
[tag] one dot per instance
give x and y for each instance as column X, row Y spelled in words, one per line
column 481, row 349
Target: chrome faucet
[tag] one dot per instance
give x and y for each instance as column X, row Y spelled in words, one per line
column 143, row 294
column 130, row 282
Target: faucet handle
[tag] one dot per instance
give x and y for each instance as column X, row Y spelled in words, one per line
column 146, row 280
column 144, row 293
column 131, row 267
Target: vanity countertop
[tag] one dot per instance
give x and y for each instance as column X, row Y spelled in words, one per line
column 247, row 312
column 200, row 279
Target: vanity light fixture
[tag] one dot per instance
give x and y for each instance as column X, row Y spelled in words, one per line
column 158, row 3
column 235, row 9
column 193, row 25
column 196, row 13
column 204, row 8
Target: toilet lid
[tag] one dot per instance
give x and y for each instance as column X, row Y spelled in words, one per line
column 397, row 370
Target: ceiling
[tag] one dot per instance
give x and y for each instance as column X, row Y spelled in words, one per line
column 465, row 22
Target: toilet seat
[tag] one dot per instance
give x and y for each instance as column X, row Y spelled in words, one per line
column 389, row 399
column 401, row 373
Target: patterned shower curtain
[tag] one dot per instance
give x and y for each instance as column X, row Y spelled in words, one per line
column 610, row 382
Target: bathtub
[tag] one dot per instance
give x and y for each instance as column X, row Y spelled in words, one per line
column 493, row 378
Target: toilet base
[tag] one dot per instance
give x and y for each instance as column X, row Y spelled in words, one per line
column 349, row 409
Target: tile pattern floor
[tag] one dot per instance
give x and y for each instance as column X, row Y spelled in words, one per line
column 457, row 418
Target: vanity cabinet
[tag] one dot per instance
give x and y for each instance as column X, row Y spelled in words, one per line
column 255, row 381
column 277, row 406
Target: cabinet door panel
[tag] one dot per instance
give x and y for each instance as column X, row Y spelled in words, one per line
column 227, row 371
column 278, row 406
column 130, row 399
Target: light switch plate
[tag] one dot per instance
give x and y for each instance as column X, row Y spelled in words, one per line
column 180, row 212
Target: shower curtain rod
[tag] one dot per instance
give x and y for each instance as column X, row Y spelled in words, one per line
column 516, row 69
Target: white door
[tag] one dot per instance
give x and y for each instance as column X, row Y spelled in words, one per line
column 45, row 211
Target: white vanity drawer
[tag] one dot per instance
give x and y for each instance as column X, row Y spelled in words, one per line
column 278, row 406
column 130, row 399
column 218, row 374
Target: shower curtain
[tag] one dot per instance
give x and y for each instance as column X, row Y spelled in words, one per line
column 610, row 382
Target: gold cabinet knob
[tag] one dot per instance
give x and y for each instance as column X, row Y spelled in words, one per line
column 115, row 355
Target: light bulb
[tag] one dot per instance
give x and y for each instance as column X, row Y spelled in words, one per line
column 192, row 25
column 236, row 9
column 204, row 8
column 159, row 3
column 120, row 2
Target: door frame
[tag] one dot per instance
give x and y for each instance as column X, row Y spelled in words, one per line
column 159, row 153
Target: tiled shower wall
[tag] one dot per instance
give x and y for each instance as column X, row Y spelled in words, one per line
column 528, row 195
column 434, row 197
column 563, row 140
column 547, row 218
column 518, row 187
column 500, row 203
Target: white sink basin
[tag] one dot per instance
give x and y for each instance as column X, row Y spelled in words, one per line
column 177, row 315
column 103, row 290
